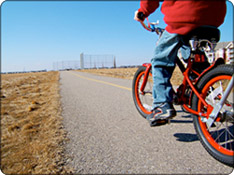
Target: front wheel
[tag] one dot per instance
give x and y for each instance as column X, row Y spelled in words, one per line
column 218, row 140
column 143, row 100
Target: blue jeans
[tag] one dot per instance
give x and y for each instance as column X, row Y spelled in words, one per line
column 163, row 64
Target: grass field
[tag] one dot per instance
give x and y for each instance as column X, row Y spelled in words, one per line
column 128, row 73
column 32, row 134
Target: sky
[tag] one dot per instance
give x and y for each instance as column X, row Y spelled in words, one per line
column 36, row 34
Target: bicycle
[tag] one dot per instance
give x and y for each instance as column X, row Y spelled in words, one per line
column 206, row 93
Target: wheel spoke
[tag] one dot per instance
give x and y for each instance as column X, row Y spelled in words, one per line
column 219, row 138
column 219, row 135
column 229, row 132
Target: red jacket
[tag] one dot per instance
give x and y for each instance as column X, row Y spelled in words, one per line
column 181, row 16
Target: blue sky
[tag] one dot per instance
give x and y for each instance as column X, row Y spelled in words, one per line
column 34, row 34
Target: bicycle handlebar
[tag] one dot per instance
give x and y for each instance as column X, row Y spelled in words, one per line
column 146, row 27
column 151, row 27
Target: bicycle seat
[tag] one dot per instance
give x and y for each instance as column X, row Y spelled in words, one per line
column 210, row 33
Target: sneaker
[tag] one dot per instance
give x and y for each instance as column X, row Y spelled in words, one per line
column 164, row 112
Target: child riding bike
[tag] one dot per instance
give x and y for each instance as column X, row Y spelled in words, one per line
column 181, row 18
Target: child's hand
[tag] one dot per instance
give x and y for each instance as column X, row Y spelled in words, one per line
column 139, row 16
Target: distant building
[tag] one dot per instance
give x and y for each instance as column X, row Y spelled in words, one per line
column 225, row 50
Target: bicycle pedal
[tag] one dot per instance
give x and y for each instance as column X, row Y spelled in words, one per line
column 162, row 121
column 158, row 123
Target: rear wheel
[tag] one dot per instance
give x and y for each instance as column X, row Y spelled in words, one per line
column 218, row 140
column 143, row 100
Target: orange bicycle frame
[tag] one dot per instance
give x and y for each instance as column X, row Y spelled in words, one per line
column 147, row 71
column 186, row 82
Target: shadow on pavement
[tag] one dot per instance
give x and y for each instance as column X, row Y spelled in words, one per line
column 186, row 137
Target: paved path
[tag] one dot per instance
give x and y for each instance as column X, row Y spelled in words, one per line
column 108, row 135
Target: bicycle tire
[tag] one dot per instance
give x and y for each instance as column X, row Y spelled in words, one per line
column 143, row 102
column 218, row 143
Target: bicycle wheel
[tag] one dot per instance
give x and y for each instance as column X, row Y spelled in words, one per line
column 218, row 140
column 143, row 101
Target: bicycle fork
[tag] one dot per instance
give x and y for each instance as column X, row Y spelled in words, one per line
column 218, row 106
column 145, row 79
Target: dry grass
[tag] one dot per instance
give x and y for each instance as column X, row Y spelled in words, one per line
column 32, row 135
column 128, row 73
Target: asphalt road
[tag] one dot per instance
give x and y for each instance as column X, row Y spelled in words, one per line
column 108, row 135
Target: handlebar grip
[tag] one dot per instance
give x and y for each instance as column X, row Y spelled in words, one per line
column 141, row 16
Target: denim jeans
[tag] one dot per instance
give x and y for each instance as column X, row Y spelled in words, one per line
column 163, row 64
